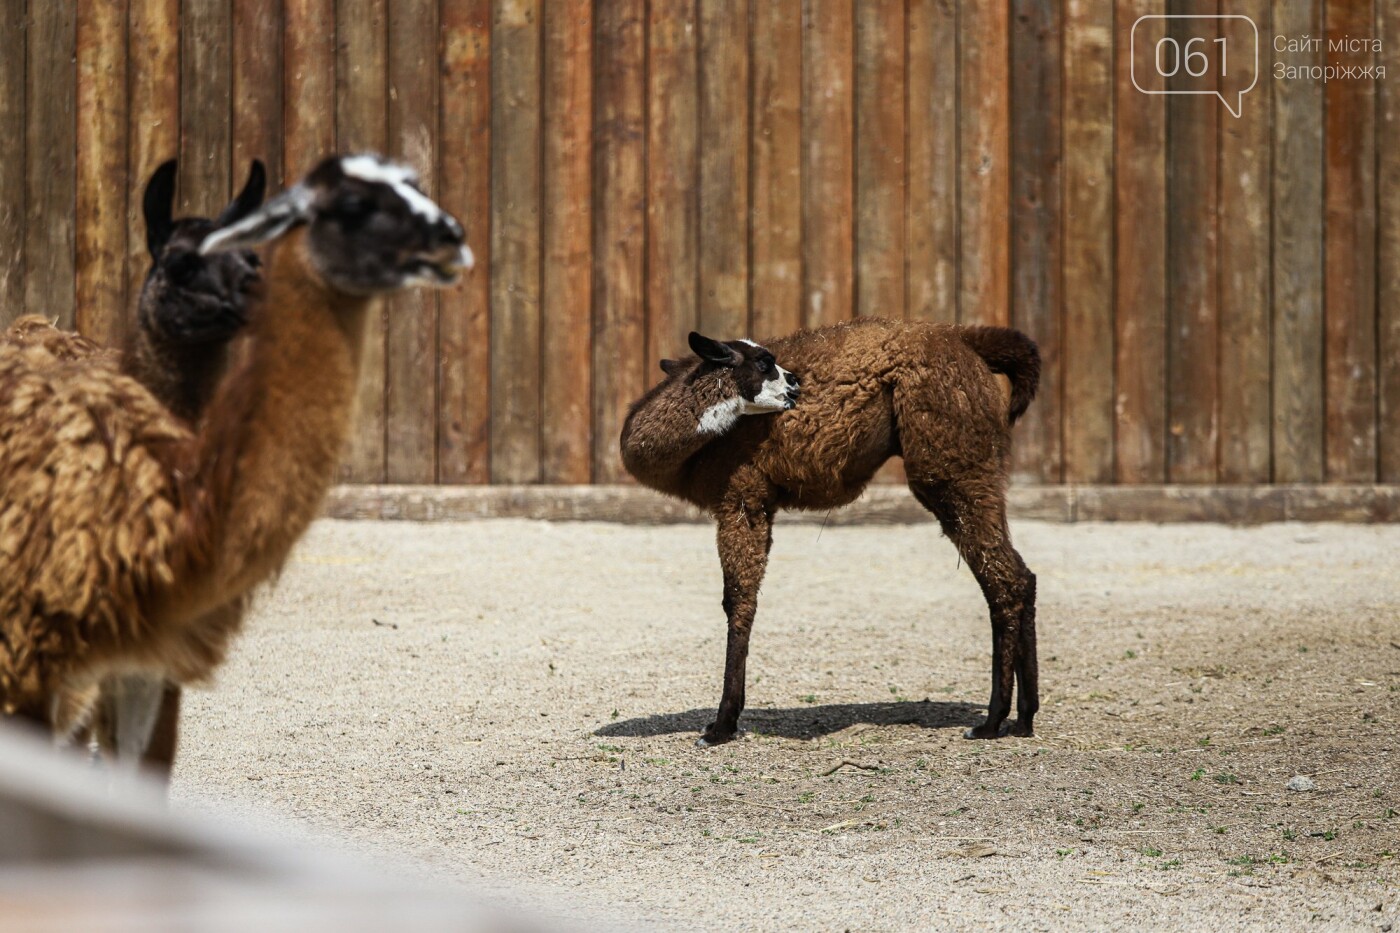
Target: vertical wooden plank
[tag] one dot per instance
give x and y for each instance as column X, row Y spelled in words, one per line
column 308, row 75
column 464, row 324
column 1350, row 243
column 1297, row 256
column 50, row 169
column 984, row 162
column 880, row 200
column 411, row 338
column 361, row 125
column 1388, row 197
column 673, row 180
column 724, row 170
column 619, row 221
column 1088, row 242
column 1244, row 265
column 931, row 237
column 515, row 243
column 257, row 89
column 12, row 168
column 777, row 168
column 567, row 290
column 100, row 290
column 206, row 92
column 1193, row 280
column 1140, row 274
column 1036, row 71
column 828, row 192
column 153, row 130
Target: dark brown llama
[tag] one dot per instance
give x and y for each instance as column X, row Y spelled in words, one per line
column 869, row 391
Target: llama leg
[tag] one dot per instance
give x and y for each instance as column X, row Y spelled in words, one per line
column 159, row 757
column 130, row 706
column 744, row 539
column 976, row 524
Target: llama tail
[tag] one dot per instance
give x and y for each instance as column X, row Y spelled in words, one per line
column 1012, row 354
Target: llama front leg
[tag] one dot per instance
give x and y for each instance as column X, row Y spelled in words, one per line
column 744, row 538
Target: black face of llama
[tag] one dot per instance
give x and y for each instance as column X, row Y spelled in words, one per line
column 753, row 381
column 187, row 296
column 370, row 228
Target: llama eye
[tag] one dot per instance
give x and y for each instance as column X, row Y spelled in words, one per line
column 762, row 366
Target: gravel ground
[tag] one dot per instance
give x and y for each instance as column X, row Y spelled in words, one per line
column 514, row 703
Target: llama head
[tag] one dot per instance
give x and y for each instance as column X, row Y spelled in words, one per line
column 189, row 297
column 734, row 378
column 370, row 229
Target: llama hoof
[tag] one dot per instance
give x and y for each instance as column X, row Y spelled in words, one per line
column 711, row 738
column 984, row 731
column 1019, row 731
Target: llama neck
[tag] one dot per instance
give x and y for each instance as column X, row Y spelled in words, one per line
column 182, row 376
column 267, row 450
column 671, row 424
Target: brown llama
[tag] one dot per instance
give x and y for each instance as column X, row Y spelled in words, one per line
column 123, row 530
column 869, row 391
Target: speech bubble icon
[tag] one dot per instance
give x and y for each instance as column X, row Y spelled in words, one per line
column 1196, row 54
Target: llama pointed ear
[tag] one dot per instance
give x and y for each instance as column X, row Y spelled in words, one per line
column 248, row 199
column 157, row 205
column 671, row 367
column 712, row 350
column 273, row 219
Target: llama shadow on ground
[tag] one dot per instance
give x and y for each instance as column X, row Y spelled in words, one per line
column 808, row 722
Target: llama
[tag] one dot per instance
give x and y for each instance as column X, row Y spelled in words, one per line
column 190, row 308
column 869, row 391
column 123, row 531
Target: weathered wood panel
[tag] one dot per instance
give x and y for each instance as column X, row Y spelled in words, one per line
column 724, row 170
column 361, row 100
column 308, row 76
column 258, row 29
column 12, row 170
column 50, row 166
column 100, row 245
column 931, row 215
column 984, row 170
column 1140, row 277
column 672, row 181
column 776, row 237
column 619, row 220
column 153, row 117
column 1193, row 264
column 1297, row 257
column 410, row 350
column 1088, row 242
column 206, row 93
column 828, row 192
column 1244, row 268
column 464, row 323
column 880, row 198
column 567, row 289
column 1349, row 237
column 1036, row 307
column 1388, row 249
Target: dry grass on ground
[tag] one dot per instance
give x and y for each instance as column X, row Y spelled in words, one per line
column 516, row 702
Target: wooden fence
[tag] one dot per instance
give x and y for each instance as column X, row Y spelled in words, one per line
column 1216, row 299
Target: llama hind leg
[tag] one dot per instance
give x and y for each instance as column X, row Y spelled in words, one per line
column 976, row 524
column 744, row 538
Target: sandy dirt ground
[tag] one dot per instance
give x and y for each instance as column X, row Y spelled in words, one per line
column 514, row 704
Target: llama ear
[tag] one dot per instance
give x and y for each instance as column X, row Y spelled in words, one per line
column 712, row 350
column 248, row 199
column 671, row 367
column 273, row 219
column 157, row 205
